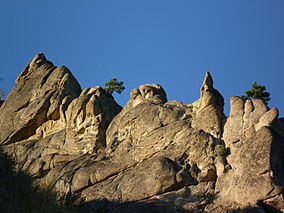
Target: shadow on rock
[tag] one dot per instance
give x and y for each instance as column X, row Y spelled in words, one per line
column 17, row 193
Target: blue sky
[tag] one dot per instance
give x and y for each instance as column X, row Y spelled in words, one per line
column 170, row 42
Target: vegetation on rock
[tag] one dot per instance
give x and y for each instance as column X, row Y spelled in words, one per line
column 66, row 149
column 257, row 91
column 114, row 85
column 220, row 150
column 19, row 194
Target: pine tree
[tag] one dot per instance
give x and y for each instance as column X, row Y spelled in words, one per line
column 114, row 85
column 257, row 92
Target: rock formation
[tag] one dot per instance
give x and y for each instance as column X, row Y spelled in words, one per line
column 153, row 155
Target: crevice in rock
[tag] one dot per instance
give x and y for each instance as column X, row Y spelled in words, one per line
column 267, row 208
column 44, row 79
column 23, row 106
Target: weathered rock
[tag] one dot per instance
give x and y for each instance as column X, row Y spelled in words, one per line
column 257, row 164
column 190, row 149
column 267, row 119
column 35, row 99
column 244, row 120
column 233, row 130
column 187, row 199
column 154, row 176
column 153, row 91
column 87, row 119
column 209, row 109
column 54, row 124
column 152, row 156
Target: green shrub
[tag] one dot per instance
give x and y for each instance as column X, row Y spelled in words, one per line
column 220, row 150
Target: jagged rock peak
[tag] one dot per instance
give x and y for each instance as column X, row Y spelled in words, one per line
column 36, row 62
column 209, row 108
column 39, row 92
column 209, row 95
column 154, row 155
column 208, row 80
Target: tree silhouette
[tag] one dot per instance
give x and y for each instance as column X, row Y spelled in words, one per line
column 114, row 85
column 257, row 91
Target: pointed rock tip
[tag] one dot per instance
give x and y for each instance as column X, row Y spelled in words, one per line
column 37, row 61
column 39, row 55
column 208, row 80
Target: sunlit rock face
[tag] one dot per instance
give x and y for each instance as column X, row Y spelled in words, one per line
column 153, row 155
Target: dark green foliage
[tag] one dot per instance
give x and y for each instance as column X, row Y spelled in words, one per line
column 257, row 92
column 114, row 85
column 220, row 150
column 2, row 93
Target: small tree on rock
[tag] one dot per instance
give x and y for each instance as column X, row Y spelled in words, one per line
column 114, row 85
column 257, row 92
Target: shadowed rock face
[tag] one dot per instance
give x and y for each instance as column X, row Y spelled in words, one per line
column 159, row 155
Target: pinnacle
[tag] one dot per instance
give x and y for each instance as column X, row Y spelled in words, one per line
column 208, row 80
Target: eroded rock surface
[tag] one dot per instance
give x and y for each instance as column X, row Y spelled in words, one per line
column 54, row 127
column 153, row 155
column 256, row 155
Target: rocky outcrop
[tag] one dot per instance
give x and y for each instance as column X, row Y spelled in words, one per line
column 209, row 109
column 256, row 155
column 153, row 155
column 53, row 123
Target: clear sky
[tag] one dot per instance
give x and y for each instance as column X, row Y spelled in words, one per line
column 170, row 42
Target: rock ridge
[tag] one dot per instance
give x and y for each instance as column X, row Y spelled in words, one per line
column 153, row 155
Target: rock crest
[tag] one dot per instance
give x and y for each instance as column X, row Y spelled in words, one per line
column 152, row 155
